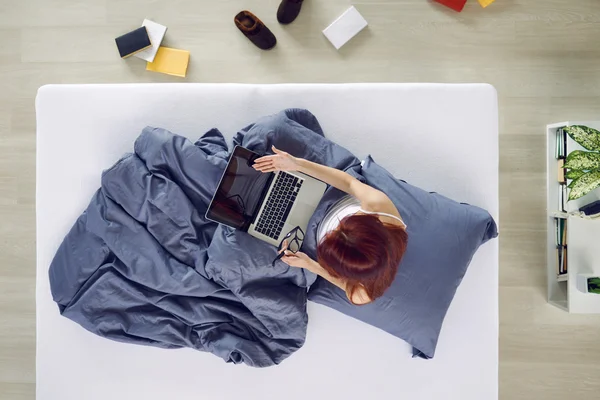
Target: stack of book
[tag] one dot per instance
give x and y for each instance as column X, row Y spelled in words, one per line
column 145, row 43
column 561, row 154
column 561, row 248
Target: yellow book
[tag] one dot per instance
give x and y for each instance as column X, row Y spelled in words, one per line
column 485, row 3
column 170, row 61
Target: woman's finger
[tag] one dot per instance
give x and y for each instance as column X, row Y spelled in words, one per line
column 284, row 246
column 276, row 150
column 288, row 260
column 259, row 159
column 264, row 158
column 267, row 165
column 263, row 168
column 263, row 163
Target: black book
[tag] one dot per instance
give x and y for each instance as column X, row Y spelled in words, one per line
column 564, row 137
column 132, row 42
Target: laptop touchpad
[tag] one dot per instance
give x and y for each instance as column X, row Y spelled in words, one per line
column 301, row 215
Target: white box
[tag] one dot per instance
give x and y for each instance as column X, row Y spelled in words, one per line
column 156, row 32
column 345, row 27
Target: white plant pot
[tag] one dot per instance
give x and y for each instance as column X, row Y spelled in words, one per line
column 582, row 282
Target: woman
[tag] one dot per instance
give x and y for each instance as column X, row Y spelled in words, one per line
column 362, row 238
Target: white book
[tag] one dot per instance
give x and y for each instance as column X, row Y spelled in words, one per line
column 156, row 32
column 560, row 199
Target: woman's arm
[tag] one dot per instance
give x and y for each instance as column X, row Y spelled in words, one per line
column 370, row 198
column 301, row 260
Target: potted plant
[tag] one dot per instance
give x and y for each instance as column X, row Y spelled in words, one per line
column 583, row 167
column 594, row 285
column 588, row 284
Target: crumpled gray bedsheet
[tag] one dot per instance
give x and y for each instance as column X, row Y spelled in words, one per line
column 142, row 264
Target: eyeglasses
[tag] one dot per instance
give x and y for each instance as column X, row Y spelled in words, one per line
column 295, row 238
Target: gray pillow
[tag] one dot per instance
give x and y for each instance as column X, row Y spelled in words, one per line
column 443, row 235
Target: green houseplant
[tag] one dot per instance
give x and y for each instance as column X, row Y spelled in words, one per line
column 594, row 285
column 588, row 283
column 583, row 167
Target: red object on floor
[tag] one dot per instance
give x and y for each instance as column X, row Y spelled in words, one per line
column 456, row 5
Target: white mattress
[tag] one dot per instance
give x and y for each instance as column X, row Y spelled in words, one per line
column 442, row 138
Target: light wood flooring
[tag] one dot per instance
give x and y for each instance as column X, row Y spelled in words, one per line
column 543, row 56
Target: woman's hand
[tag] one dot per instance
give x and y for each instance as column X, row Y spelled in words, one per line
column 280, row 161
column 298, row 259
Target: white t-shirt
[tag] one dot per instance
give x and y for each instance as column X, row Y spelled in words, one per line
column 345, row 206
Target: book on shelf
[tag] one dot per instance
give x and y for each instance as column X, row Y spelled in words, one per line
column 562, row 179
column 561, row 144
column 558, row 260
column 557, row 147
column 561, row 260
column 563, row 232
column 561, row 153
column 561, row 246
column 560, row 199
column 563, row 198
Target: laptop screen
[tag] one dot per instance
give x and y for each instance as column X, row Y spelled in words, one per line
column 239, row 194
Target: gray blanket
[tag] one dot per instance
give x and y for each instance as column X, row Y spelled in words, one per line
column 142, row 264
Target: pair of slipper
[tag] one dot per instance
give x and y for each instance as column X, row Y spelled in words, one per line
column 258, row 33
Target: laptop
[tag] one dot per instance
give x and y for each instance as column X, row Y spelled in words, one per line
column 265, row 205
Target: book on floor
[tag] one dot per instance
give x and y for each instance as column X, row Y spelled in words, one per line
column 133, row 42
column 170, row 61
column 485, row 3
column 156, row 32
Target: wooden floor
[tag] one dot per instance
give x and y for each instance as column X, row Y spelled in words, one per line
column 543, row 56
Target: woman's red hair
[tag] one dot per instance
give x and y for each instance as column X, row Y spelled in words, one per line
column 363, row 251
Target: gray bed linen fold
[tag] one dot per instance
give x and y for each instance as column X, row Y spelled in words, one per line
column 143, row 265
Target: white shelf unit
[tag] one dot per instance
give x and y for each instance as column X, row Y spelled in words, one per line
column 583, row 235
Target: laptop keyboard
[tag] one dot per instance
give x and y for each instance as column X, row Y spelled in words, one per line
column 278, row 206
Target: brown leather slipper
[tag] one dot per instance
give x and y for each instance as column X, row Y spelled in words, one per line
column 254, row 29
